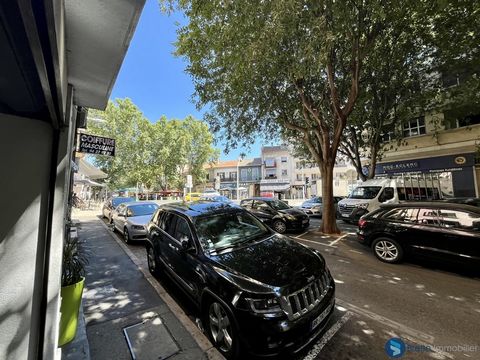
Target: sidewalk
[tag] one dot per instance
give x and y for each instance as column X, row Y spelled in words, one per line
column 118, row 296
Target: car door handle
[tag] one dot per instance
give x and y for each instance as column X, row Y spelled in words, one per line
column 172, row 247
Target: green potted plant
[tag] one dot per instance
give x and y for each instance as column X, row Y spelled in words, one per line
column 73, row 278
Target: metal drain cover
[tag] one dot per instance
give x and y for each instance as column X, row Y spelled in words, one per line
column 150, row 340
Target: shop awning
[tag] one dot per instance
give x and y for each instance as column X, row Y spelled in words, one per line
column 275, row 187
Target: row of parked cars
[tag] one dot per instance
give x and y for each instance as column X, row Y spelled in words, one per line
column 258, row 291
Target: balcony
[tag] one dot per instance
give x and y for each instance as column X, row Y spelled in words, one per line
column 271, row 177
column 228, row 179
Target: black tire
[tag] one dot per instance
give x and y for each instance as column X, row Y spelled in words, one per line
column 223, row 334
column 387, row 250
column 153, row 262
column 126, row 236
column 279, row 226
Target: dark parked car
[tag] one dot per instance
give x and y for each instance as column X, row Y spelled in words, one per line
column 112, row 203
column 258, row 291
column 314, row 206
column 463, row 200
column 276, row 214
column 441, row 230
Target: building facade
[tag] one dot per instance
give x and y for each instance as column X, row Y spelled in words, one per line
column 58, row 58
column 441, row 149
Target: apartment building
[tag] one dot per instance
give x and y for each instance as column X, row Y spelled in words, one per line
column 439, row 148
column 284, row 175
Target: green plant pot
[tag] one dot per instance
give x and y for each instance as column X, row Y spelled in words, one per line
column 69, row 308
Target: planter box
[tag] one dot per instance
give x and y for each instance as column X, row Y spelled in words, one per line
column 69, row 307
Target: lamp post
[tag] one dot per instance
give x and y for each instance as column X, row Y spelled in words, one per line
column 238, row 179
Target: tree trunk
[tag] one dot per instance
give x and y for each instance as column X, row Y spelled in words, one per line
column 329, row 218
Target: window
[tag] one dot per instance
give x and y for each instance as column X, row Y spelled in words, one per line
column 315, row 176
column 208, row 176
column 271, row 174
column 284, row 159
column 453, row 120
column 183, row 230
column 233, row 175
column 402, row 214
column 221, row 175
column 387, row 194
column 261, row 205
column 299, row 177
column 167, row 222
column 459, row 220
column 388, row 136
column 247, row 203
column 284, row 173
column 414, row 127
column 428, row 217
column 269, row 162
column 365, row 192
column 222, row 231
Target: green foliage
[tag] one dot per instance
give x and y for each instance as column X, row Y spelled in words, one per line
column 288, row 68
column 158, row 154
column 75, row 258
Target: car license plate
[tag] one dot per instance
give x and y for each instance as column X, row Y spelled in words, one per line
column 345, row 215
column 305, row 221
column 321, row 317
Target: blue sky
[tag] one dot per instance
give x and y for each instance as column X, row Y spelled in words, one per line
column 154, row 79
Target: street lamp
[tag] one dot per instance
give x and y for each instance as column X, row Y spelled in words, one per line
column 238, row 179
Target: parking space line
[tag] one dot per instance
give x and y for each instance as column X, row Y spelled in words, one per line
column 317, row 348
column 299, row 236
column 337, row 240
column 316, row 242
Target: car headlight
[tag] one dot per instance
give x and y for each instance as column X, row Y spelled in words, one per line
column 362, row 206
column 138, row 227
column 289, row 217
column 268, row 306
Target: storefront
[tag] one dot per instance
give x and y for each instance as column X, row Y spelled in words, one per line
column 278, row 188
column 455, row 174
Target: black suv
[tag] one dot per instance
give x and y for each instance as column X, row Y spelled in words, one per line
column 442, row 230
column 257, row 290
column 276, row 214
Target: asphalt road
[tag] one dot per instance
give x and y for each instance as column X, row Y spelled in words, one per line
column 423, row 303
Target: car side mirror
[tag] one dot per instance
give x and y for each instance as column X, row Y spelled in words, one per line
column 121, row 215
column 286, row 202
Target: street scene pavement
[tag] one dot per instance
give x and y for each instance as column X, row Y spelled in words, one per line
column 434, row 309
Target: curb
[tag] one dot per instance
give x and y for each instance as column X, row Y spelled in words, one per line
column 202, row 341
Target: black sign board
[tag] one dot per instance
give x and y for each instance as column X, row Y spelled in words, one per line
column 92, row 144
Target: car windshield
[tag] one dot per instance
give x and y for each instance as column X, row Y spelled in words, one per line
column 315, row 200
column 364, row 192
column 121, row 200
column 222, row 231
column 142, row 209
column 278, row 205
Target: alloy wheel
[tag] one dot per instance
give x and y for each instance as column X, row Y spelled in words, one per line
column 126, row 236
column 280, row 226
column 386, row 250
column 152, row 264
column 220, row 327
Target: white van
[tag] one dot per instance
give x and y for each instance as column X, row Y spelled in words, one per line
column 372, row 193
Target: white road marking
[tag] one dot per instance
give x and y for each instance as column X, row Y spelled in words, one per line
column 316, row 242
column 337, row 240
column 357, row 252
column 315, row 350
column 298, row 236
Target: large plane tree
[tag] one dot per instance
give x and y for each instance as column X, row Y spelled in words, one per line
column 288, row 68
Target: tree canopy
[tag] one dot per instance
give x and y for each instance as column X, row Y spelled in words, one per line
column 158, row 154
column 289, row 68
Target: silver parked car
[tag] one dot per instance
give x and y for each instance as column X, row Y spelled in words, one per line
column 314, row 205
column 131, row 219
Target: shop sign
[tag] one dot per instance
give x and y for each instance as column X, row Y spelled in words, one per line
column 98, row 145
column 428, row 165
